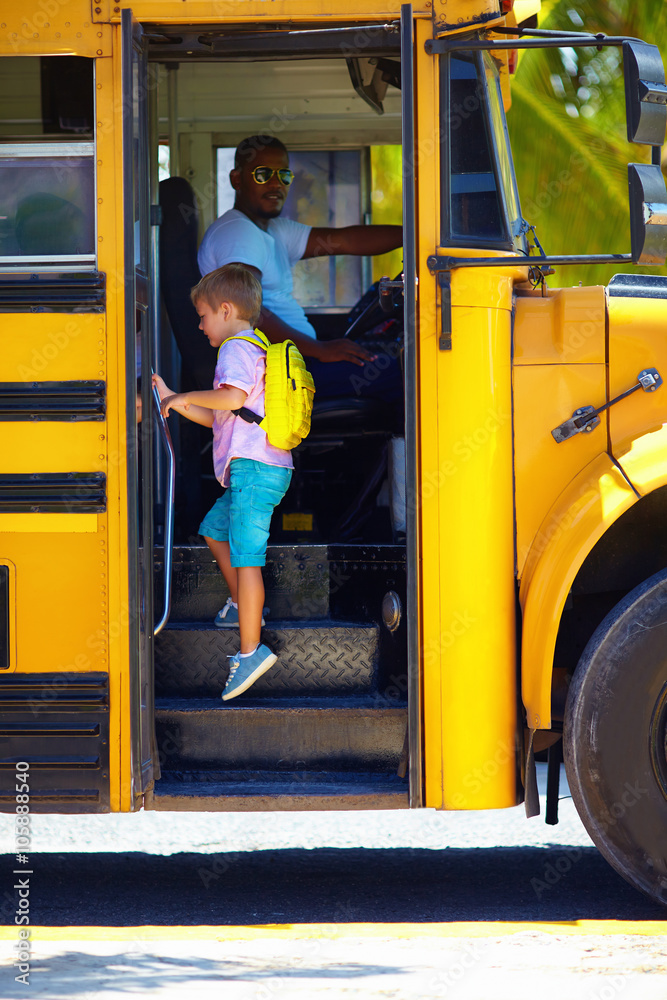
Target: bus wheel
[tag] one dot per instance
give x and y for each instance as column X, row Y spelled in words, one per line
column 615, row 737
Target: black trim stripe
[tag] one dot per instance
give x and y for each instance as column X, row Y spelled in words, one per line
column 49, row 293
column 53, row 492
column 4, row 617
column 76, row 400
column 58, row 725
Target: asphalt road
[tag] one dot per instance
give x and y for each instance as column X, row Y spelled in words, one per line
column 267, row 868
column 348, row 906
column 327, row 886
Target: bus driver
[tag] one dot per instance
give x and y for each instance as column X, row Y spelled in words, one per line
column 253, row 233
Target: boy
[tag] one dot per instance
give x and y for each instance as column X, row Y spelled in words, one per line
column 256, row 474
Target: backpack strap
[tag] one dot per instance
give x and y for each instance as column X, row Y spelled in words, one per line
column 249, row 416
column 243, row 412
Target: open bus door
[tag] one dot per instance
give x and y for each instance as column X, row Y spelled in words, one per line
column 139, row 319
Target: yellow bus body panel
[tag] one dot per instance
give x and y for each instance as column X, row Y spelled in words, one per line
column 638, row 424
column 559, row 365
column 53, row 28
column 449, row 15
column 69, row 597
column 469, row 638
column 109, row 97
column 585, row 510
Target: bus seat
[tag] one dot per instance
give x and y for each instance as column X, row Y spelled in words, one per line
column 178, row 274
column 350, row 416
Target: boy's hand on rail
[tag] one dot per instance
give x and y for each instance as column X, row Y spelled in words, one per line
column 161, row 386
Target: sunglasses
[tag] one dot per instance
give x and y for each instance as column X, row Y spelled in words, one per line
column 262, row 175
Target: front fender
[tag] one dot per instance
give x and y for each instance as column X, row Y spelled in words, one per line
column 644, row 460
column 580, row 516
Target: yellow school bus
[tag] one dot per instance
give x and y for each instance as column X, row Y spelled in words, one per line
column 457, row 584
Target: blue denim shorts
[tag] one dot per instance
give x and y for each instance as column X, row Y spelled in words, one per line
column 242, row 515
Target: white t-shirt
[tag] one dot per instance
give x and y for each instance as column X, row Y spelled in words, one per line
column 235, row 238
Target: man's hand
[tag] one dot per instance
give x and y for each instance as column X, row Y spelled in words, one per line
column 343, row 350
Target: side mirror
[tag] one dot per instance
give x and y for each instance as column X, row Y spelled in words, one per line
column 648, row 213
column 645, row 93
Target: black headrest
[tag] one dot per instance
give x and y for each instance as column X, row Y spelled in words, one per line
column 178, row 274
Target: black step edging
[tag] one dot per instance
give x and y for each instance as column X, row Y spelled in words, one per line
column 264, row 791
column 191, row 660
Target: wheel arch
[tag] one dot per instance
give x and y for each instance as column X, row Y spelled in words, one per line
column 592, row 502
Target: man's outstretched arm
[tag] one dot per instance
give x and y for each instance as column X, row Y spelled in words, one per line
column 359, row 240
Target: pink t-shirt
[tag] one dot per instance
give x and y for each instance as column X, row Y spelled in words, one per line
column 242, row 365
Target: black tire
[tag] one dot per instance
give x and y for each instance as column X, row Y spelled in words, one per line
column 615, row 736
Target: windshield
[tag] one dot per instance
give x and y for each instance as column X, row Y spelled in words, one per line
column 504, row 155
column 480, row 201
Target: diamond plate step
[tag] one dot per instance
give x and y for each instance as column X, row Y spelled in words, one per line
column 366, row 736
column 259, row 791
column 324, row 657
column 296, row 578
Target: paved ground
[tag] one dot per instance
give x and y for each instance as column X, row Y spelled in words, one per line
column 337, row 960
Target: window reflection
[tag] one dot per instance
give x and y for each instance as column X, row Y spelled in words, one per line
column 46, row 204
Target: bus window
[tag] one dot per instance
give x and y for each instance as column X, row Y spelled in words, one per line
column 47, row 167
column 472, row 211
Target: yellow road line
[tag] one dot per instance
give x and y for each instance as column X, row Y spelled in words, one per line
column 467, row 929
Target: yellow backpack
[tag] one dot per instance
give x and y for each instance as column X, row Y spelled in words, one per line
column 288, row 393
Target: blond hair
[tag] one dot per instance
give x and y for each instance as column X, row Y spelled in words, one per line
column 233, row 283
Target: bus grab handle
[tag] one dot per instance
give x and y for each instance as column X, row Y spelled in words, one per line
column 168, row 510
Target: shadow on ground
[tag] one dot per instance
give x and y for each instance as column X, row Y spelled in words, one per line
column 327, row 885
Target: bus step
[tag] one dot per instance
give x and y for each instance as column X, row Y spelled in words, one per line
column 303, row 582
column 324, row 657
column 340, row 734
column 296, row 580
column 260, row 791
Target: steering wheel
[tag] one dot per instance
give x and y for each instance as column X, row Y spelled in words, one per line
column 380, row 302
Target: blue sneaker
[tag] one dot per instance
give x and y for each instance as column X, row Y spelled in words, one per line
column 228, row 616
column 244, row 671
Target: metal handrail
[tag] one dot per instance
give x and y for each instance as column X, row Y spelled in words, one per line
column 168, row 510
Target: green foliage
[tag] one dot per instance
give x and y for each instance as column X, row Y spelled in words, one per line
column 387, row 202
column 568, row 133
